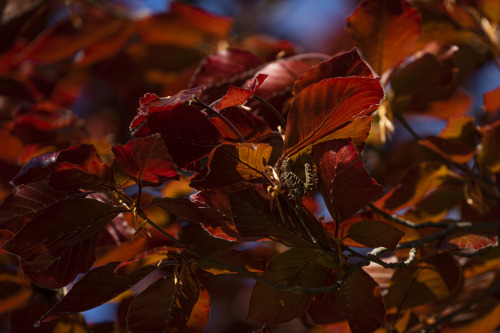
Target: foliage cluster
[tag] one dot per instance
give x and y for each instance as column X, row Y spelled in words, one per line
column 259, row 138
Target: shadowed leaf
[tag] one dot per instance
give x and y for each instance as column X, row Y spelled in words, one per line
column 488, row 156
column 386, row 32
column 293, row 267
column 322, row 108
column 375, row 234
column 251, row 127
column 343, row 180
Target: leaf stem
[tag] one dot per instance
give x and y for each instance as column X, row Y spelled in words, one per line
column 274, row 111
column 224, row 119
column 406, row 125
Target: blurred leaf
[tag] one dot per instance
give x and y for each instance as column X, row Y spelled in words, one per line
column 60, row 243
column 386, row 32
column 183, row 208
column 16, row 291
column 458, row 104
column 323, row 108
column 484, row 317
column 491, row 101
column 488, row 156
column 373, row 233
column 343, row 180
column 473, row 241
column 436, row 205
column 232, row 163
column 491, row 9
column 146, row 160
column 293, row 267
column 98, row 286
column 358, row 295
column 187, row 133
column 343, row 65
column 425, row 281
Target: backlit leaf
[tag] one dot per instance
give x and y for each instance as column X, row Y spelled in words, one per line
column 239, row 96
column 232, row 163
column 375, row 234
column 293, row 267
column 491, row 101
column 68, row 232
column 323, row 108
column 98, row 286
column 187, row 133
column 385, row 31
column 251, row 127
column 343, row 180
column 146, row 160
column 344, row 64
column 474, row 241
column 425, row 281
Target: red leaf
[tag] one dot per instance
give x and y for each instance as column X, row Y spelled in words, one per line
column 98, row 286
column 229, row 164
column 474, row 241
column 252, row 128
column 324, row 107
column 146, row 160
column 375, row 234
column 44, row 116
column 187, row 133
column 342, row 65
column 294, row 267
column 239, row 96
column 488, row 155
column 386, row 31
column 26, row 201
column 343, row 180
column 491, row 101
column 66, row 233
column 151, row 103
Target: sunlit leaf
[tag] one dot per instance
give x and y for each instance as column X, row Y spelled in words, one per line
column 239, row 96
column 146, row 160
column 232, row 163
column 343, row 180
column 293, row 267
column 325, row 107
column 425, row 281
column 344, row 64
column 385, row 31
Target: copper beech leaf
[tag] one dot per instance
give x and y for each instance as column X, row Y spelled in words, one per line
column 232, row 163
column 251, row 127
column 322, row 108
column 60, row 243
column 146, row 160
column 344, row 64
column 26, row 201
column 372, row 233
column 425, row 281
column 343, row 180
column 293, row 267
column 187, row 133
column 491, row 101
column 183, row 208
column 98, row 286
column 358, row 300
column 386, row 32
column 172, row 302
column 239, row 96
column 473, row 241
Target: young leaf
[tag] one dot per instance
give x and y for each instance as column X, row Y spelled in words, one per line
column 358, row 300
column 342, row 65
column 343, row 180
column 239, row 96
column 428, row 280
column 146, row 160
column 324, row 107
column 386, row 32
column 375, row 234
column 187, row 133
column 60, row 243
column 293, row 267
column 98, row 286
column 232, row 163
column 26, row 201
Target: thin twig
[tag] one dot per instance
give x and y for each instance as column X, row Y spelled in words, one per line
column 273, row 110
column 373, row 256
column 406, row 125
column 224, row 119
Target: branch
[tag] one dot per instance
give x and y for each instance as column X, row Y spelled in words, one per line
column 406, row 125
column 224, row 119
column 373, row 256
column 274, row 111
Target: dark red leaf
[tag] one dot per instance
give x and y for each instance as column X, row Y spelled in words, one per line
column 28, row 200
column 386, row 32
column 343, row 180
column 98, row 286
column 373, row 233
column 428, row 280
column 67, row 232
column 151, row 103
column 322, row 108
column 187, row 133
column 37, row 168
column 488, row 156
column 344, row 64
column 183, row 208
column 44, row 116
column 251, row 127
column 352, row 301
column 295, row 267
column 233, row 163
column 146, row 160
column 239, row 96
